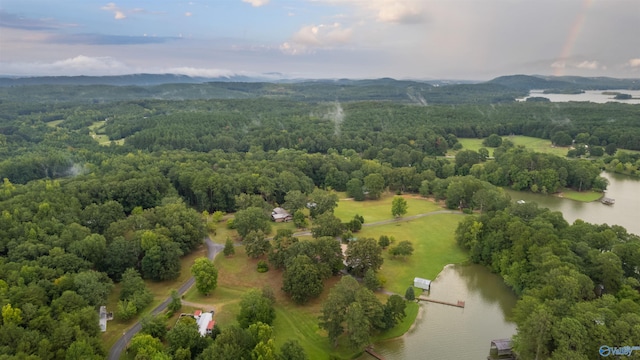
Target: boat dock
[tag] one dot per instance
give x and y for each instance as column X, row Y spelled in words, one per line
column 459, row 304
column 608, row 201
column 369, row 350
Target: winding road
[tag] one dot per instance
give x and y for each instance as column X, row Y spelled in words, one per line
column 116, row 350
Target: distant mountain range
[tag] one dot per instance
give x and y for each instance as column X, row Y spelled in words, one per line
column 538, row 82
column 516, row 82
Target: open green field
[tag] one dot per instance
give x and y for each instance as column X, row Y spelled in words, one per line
column 535, row 144
column 434, row 247
column 377, row 210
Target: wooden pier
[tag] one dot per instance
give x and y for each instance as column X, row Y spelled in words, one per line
column 369, row 350
column 459, row 304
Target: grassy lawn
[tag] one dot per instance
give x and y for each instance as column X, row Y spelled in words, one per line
column 377, row 210
column 584, row 196
column 55, row 123
column 434, row 247
column 535, row 144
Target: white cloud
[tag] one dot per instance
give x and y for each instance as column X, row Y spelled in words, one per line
column 403, row 12
column 79, row 65
column 198, row 72
column 589, row 65
column 117, row 13
column 312, row 37
column 389, row 11
column 188, row 14
column 256, row 3
column 634, row 62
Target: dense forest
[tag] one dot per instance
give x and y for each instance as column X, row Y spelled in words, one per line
column 106, row 184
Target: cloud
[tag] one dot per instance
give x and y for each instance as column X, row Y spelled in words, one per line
column 79, row 65
column 188, row 14
column 635, row 63
column 14, row 21
column 117, row 13
column 105, row 39
column 199, row 72
column 388, row 11
column 256, row 3
column 312, row 37
column 402, row 12
column 589, row 65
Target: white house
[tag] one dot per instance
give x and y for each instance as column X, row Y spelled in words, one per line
column 205, row 322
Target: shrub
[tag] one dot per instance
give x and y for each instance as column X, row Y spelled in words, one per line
column 263, row 266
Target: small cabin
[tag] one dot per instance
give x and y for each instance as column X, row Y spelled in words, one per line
column 421, row 283
column 501, row 349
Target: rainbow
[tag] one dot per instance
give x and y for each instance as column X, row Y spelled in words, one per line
column 575, row 30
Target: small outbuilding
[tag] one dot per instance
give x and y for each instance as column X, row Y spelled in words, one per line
column 280, row 215
column 421, row 283
column 501, row 349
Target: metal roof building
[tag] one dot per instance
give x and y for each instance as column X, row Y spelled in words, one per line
column 421, row 283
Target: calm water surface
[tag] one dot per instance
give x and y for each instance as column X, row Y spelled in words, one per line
column 625, row 212
column 595, row 96
column 447, row 332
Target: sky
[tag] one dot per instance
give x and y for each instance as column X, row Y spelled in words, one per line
column 403, row 39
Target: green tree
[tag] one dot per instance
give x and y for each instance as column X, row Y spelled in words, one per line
column 131, row 283
column 326, row 224
column 185, row 335
column 302, row 279
column 292, row 350
column 295, row 200
column 370, row 280
column 254, row 307
column 155, row 326
column 410, row 294
column 394, row 311
column 403, row 249
column 354, row 189
column 252, row 219
column 205, row 274
column 363, row 254
column 94, row 286
column 11, row 315
column 162, row 261
column 322, row 201
column 384, row 241
column 256, row 244
column 374, row 183
column 493, row 140
column 357, row 326
column 398, row 207
column 176, row 302
column 229, row 248
column 299, row 219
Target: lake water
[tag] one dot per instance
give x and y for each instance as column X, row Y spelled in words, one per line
column 595, row 96
column 445, row 332
column 625, row 212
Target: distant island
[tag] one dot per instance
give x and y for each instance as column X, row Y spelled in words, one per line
column 564, row 91
column 622, row 96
